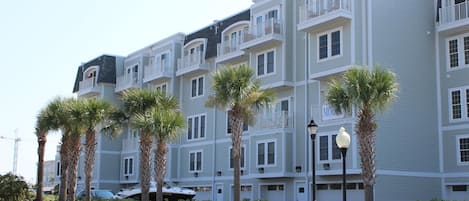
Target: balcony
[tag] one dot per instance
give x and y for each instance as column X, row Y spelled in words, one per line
column 318, row 12
column 191, row 63
column 157, row 71
column 130, row 145
column 88, row 87
column 127, row 82
column 268, row 33
column 273, row 120
column 453, row 17
column 229, row 52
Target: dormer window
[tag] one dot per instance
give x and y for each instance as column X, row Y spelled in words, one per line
column 132, row 74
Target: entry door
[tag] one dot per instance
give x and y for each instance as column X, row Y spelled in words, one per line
column 219, row 192
column 300, row 192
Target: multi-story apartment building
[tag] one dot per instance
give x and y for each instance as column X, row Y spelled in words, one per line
column 295, row 48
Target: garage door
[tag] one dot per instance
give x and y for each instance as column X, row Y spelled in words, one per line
column 273, row 192
column 333, row 192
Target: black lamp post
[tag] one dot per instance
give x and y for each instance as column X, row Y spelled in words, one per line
column 343, row 142
column 312, row 130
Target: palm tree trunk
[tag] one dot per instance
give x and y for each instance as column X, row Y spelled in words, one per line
column 41, row 140
column 145, row 150
column 160, row 168
column 73, row 170
column 236, row 123
column 89, row 161
column 64, row 162
column 366, row 135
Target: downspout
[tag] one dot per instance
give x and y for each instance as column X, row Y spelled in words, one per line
column 214, row 190
column 308, row 187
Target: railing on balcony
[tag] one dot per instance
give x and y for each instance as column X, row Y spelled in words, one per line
column 193, row 59
column 274, row 120
column 271, row 26
column 125, row 82
column 157, row 70
column 228, row 46
column 454, row 13
column 130, row 145
column 316, row 8
column 87, row 84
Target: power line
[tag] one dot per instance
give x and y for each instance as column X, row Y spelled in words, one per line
column 15, row 150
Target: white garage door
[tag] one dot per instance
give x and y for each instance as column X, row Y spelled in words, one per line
column 333, row 192
column 273, row 192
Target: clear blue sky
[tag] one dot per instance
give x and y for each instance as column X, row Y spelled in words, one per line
column 43, row 42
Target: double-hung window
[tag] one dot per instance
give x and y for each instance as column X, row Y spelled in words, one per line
column 161, row 87
column 266, row 63
column 459, row 104
column 195, row 161
column 242, row 154
column 128, row 166
column 196, row 127
column 329, row 44
column 463, row 149
column 457, row 50
column 197, row 87
column 328, row 149
column 266, row 153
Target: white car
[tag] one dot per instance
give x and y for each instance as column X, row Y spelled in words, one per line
column 169, row 192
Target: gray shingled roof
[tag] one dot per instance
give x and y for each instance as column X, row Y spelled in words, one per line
column 107, row 70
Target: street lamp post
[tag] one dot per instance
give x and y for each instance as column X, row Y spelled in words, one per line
column 343, row 142
column 312, row 130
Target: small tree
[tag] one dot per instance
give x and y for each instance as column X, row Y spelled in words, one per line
column 14, row 187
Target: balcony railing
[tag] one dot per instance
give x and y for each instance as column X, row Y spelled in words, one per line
column 190, row 60
column 154, row 71
column 228, row 46
column 274, row 120
column 130, row 145
column 454, row 13
column 316, row 8
column 271, row 26
column 126, row 82
column 87, row 84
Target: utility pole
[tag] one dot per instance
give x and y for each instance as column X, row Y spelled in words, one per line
column 15, row 151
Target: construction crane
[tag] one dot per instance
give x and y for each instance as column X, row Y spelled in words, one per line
column 15, row 152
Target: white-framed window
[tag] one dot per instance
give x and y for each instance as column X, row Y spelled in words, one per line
column 266, row 153
column 328, row 150
column 194, row 53
column 197, row 87
column 131, row 74
column 462, row 145
column 267, row 22
column 128, row 166
column 161, row 87
column 459, row 104
column 162, row 62
column 196, row 127
column 195, row 161
column 265, row 63
column 457, row 52
column 90, row 75
column 242, row 158
column 228, row 125
column 329, row 44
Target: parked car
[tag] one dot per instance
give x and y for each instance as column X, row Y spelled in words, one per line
column 171, row 193
column 99, row 194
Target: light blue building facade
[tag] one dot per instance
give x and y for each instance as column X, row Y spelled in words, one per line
column 295, row 48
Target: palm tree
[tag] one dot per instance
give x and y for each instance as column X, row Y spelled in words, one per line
column 138, row 101
column 75, row 109
column 96, row 112
column 234, row 89
column 54, row 117
column 161, row 121
column 370, row 91
column 46, row 121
